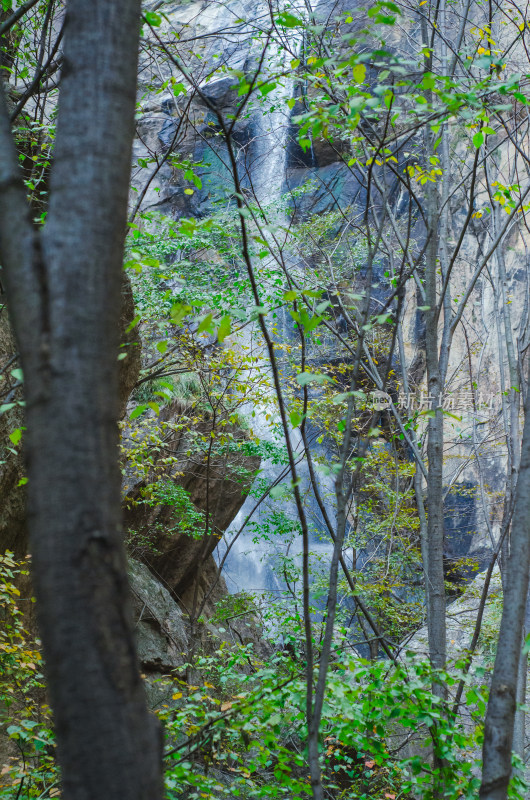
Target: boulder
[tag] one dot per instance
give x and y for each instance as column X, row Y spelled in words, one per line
column 215, row 485
column 161, row 635
column 461, row 618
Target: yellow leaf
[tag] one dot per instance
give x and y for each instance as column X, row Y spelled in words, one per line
column 177, row 695
column 359, row 73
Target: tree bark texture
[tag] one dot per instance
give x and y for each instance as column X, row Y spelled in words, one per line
column 434, row 574
column 63, row 290
column 500, row 716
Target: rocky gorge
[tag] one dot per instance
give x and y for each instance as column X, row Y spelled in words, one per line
column 278, row 385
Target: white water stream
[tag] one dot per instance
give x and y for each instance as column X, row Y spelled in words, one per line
column 251, row 562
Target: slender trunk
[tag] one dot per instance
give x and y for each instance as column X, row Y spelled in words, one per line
column 519, row 730
column 519, row 723
column 500, row 716
column 435, row 520
column 435, row 586
column 64, row 295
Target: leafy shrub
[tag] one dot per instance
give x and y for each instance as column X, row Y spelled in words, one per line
column 31, row 771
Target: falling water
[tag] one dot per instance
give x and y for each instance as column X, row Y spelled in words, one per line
column 249, row 565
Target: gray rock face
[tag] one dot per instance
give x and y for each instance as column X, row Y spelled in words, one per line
column 161, row 635
column 461, row 618
column 218, row 485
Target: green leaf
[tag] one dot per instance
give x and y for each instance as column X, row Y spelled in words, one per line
column 478, row 139
column 16, row 436
column 454, row 416
column 308, row 323
column 133, row 324
column 428, row 81
column 308, row 377
column 296, row 418
column 267, row 88
column 151, row 262
column 138, row 411
column 343, row 397
column 206, row 324
column 17, row 374
column 188, row 227
column 178, row 312
column 290, row 296
column 153, row 19
column 162, row 347
column 288, row 20
column 224, row 329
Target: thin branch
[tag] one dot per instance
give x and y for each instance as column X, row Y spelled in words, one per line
column 14, row 18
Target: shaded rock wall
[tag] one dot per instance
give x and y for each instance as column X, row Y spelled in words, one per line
column 217, row 485
column 478, row 355
column 161, row 634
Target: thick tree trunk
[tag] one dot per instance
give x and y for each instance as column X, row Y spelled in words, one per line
column 499, row 729
column 64, row 295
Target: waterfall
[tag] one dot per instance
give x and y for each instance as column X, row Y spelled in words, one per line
column 248, row 565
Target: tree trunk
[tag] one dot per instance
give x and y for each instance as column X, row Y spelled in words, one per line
column 433, row 570
column 435, row 584
column 64, row 297
column 499, row 728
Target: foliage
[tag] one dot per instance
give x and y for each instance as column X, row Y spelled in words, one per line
column 265, row 328
column 240, row 732
column 31, row 771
